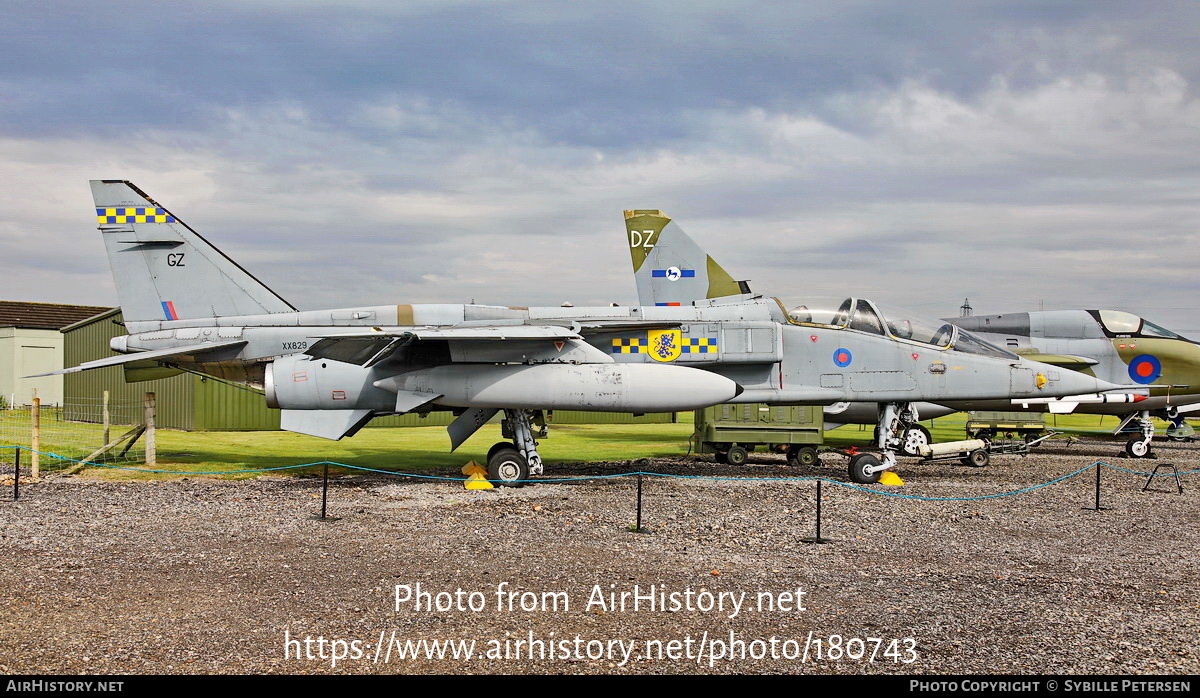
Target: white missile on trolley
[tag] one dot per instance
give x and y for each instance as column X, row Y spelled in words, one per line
column 1067, row 405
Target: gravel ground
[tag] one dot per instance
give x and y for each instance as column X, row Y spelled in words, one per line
column 207, row 576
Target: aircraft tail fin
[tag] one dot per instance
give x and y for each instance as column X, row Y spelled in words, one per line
column 164, row 270
column 670, row 268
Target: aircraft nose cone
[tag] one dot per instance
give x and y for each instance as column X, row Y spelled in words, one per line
column 1062, row 382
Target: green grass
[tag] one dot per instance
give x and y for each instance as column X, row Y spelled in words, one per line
column 411, row 449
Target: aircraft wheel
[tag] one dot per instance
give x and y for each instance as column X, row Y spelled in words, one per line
column 1136, row 448
column 508, row 468
column 977, row 458
column 916, row 437
column 500, row 447
column 858, row 469
column 736, row 456
column 803, row 455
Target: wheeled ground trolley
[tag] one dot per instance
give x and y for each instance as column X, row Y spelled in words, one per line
column 731, row 432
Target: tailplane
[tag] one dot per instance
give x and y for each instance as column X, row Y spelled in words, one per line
column 164, row 270
column 670, row 268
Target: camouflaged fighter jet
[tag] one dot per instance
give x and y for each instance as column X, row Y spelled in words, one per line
column 1113, row 345
column 672, row 270
column 188, row 307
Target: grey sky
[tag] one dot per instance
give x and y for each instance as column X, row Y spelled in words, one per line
column 353, row 152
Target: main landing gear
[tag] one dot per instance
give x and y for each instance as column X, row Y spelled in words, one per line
column 1139, row 446
column 895, row 419
column 509, row 464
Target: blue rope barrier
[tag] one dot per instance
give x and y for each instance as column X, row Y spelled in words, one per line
column 582, row 478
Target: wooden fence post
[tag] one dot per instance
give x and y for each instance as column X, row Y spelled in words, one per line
column 149, row 439
column 35, row 439
column 104, row 416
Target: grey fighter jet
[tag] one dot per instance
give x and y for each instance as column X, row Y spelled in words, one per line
column 672, row 270
column 189, row 307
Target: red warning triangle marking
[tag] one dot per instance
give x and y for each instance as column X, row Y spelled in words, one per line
column 813, row 337
column 559, row 345
column 916, row 356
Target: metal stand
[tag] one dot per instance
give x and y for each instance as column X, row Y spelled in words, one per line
column 817, row 538
column 325, row 497
column 1174, row 470
column 1097, row 507
column 16, row 473
column 638, row 527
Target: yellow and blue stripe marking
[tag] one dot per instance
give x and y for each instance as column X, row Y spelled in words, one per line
column 691, row 345
column 136, row 214
column 630, row 345
column 699, row 345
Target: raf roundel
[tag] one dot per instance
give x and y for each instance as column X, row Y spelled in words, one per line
column 1145, row 369
column 842, row 357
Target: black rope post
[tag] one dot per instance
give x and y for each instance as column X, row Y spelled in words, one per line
column 16, row 473
column 1098, row 468
column 638, row 527
column 817, row 538
column 324, row 491
column 1164, row 466
column 325, row 496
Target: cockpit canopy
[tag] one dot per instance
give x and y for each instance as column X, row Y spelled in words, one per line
column 864, row 315
column 1118, row 323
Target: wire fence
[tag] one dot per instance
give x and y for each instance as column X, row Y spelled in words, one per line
column 78, row 429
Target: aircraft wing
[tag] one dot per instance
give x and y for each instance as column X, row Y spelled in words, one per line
column 602, row 326
column 484, row 344
column 1064, row 360
column 501, row 332
column 189, row 352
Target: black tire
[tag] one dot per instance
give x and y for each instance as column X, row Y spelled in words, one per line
column 858, row 466
column 721, row 456
column 736, row 456
column 801, row 455
column 508, row 468
column 499, row 447
column 915, row 437
column 1136, row 448
column 977, row 458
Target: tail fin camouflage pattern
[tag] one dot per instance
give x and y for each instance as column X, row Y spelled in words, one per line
column 669, row 266
column 164, row 270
